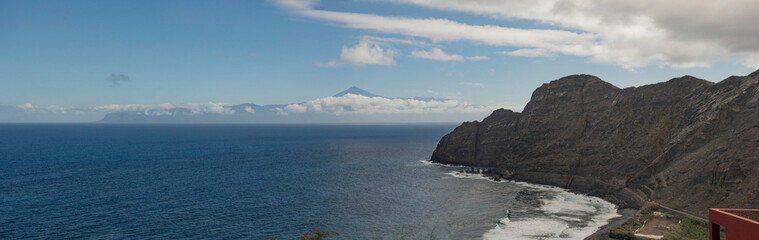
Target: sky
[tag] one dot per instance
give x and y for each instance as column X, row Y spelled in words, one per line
column 100, row 56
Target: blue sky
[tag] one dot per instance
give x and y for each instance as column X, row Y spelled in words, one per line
column 64, row 53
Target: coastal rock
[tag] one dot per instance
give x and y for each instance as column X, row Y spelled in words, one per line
column 686, row 142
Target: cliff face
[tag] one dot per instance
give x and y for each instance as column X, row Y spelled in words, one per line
column 684, row 143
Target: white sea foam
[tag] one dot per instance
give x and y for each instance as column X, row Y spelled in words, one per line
column 477, row 176
column 535, row 228
column 553, row 226
column 428, row 162
column 560, row 208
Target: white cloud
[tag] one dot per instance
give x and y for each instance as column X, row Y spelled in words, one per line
column 281, row 112
column 630, row 34
column 752, row 61
column 297, row 108
column 471, row 84
column 443, row 30
column 637, row 33
column 364, row 53
column 29, row 108
column 165, row 108
column 528, row 52
column 368, row 53
column 476, row 58
column 297, row 4
column 438, row 54
column 349, row 104
column 409, row 41
column 358, row 104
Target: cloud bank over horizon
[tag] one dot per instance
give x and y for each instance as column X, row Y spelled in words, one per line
column 626, row 34
column 158, row 109
column 336, row 106
column 358, row 104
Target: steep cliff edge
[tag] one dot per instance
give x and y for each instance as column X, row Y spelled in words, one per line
column 685, row 143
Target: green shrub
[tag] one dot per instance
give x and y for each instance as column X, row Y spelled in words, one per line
column 690, row 229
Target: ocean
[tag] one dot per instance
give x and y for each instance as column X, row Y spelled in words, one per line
column 265, row 181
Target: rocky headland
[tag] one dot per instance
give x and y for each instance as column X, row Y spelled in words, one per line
column 686, row 143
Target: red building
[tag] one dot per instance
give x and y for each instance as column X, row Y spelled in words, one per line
column 739, row 224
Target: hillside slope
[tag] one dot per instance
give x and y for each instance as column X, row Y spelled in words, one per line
column 686, row 143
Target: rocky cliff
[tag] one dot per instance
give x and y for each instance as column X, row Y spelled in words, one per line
column 685, row 143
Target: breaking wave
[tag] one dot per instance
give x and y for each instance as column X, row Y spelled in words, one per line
column 544, row 212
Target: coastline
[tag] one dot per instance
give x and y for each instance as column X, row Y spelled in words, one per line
column 603, row 232
column 623, row 214
column 627, row 202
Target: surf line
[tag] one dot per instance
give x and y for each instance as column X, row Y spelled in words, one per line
column 562, row 214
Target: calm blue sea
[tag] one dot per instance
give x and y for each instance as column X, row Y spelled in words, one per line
column 259, row 181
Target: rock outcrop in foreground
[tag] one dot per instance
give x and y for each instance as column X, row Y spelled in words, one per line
column 685, row 143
